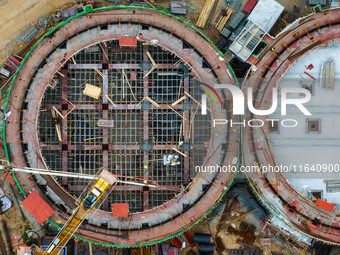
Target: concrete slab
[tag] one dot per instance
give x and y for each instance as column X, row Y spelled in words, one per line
column 311, row 150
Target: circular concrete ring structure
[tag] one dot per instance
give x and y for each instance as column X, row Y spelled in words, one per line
column 52, row 55
column 273, row 189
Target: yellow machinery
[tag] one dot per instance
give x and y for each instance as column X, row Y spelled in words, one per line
column 92, row 200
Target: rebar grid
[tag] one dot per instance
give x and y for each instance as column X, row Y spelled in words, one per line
column 53, row 159
column 162, row 56
column 119, row 147
column 201, row 128
column 47, row 128
column 85, row 162
column 91, row 55
column 169, row 175
column 126, row 163
column 195, row 88
column 121, row 93
column 197, row 158
column 76, row 80
column 53, row 95
column 82, row 127
column 134, row 198
column 157, row 197
column 128, row 127
column 165, row 126
column 166, row 88
column 125, row 55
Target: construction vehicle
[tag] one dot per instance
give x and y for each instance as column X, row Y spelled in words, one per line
column 90, row 201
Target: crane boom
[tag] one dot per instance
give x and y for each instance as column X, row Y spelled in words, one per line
column 91, row 201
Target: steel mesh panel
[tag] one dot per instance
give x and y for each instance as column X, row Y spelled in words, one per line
column 82, row 127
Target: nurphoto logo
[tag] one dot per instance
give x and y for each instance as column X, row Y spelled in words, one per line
column 239, row 105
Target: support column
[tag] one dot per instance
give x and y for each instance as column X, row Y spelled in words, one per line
column 117, row 66
column 105, row 147
column 111, row 107
column 64, row 127
column 146, row 130
column 105, row 117
column 186, row 131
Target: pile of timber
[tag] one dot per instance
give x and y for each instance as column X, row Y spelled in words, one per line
column 327, row 75
column 92, row 91
column 8, row 239
column 222, row 20
column 205, row 13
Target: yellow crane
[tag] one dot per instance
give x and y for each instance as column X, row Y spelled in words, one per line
column 91, row 200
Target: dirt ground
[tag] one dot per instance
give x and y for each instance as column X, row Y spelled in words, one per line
column 17, row 16
column 229, row 240
column 16, row 218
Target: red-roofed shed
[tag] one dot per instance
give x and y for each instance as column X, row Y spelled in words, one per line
column 36, row 206
column 249, row 6
column 325, row 205
column 9, row 178
column 128, row 41
column 120, row 209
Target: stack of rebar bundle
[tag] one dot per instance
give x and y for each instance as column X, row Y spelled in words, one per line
column 222, row 20
column 205, row 13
